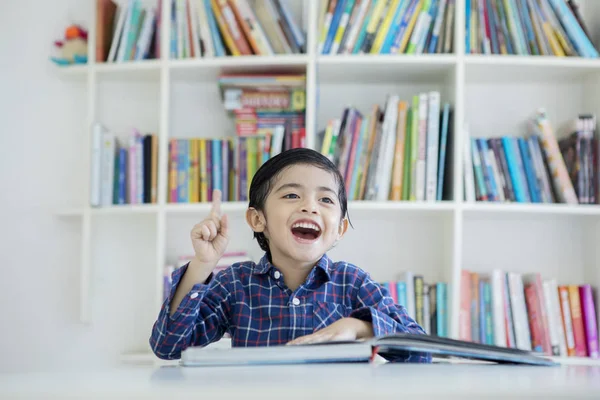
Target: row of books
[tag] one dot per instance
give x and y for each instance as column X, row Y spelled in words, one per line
column 386, row 26
column 527, row 27
column 197, row 166
column 228, row 258
column 398, row 153
column 126, row 32
column 523, row 311
column 217, row 28
column 426, row 303
column 536, row 168
column 123, row 170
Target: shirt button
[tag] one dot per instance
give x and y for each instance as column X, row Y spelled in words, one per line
column 194, row 295
column 296, row 301
column 277, row 274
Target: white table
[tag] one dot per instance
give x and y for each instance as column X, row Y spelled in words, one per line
column 342, row 381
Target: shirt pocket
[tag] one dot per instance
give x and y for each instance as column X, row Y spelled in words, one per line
column 325, row 314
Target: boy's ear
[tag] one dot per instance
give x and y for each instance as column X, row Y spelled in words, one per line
column 342, row 228
column 255, row 219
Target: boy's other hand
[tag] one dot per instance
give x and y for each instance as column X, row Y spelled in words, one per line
column 342, row 329
column 210, row 237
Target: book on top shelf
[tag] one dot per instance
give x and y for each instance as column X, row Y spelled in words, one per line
column 538, row 168
column 127, row 31
column 527, row 27
column 217, row 28
column 123, row 170
column 269, row 115
column 524, row 311
column 400, row 152
column 386, row 27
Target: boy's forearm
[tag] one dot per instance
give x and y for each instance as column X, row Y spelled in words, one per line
column 196, row 272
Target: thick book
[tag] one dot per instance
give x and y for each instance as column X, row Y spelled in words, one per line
column 389, row 347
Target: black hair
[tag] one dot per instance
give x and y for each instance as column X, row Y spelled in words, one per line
column 264, row 177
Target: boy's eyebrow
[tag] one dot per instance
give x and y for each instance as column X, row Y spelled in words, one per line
column 299, row 186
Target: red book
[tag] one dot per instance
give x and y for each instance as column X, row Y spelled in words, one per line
column 577, row 318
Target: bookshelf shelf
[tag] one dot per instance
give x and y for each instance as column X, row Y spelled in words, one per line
column 384, row 68
column 531, row 208
column 490, row 95
column 527, row 69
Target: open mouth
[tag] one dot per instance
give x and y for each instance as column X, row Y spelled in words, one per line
column 306, row 231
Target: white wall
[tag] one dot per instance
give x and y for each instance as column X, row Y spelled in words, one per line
column 38, row 174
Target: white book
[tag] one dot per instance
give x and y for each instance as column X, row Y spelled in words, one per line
column 555, row 326
column 519, row 311
column 468, row 166
column 387, row 149
column 421, row 147
column 125, row 33
column 108, row 168
column 143, row 44
column 118, row 33
column 498, row 177
column 204, row 28
column 195, row 30
column 497, row 285
column 96, row 165
column 433, row 143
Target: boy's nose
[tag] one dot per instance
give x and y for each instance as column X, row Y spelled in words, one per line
column 309, row 208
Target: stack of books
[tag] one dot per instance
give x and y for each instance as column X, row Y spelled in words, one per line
column 425, row 302
column 522, row 311
column 123, row 171
column 269, row 116
column 386, row 26
column 127, row 32
column 398, row 153
column 217, row 28
column 537, row 168
column 532, row 27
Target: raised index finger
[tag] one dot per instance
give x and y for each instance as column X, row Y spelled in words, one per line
column 216, row 203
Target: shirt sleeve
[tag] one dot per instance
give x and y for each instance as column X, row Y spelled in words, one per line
column 202, row 316
column 373, row 304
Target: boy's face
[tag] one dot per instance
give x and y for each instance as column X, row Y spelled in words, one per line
column 302, row 218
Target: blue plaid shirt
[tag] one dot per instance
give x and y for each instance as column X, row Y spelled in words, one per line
column 252, row 303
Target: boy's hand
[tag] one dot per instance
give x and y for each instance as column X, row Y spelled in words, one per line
column 343, row 329
column 210, row 237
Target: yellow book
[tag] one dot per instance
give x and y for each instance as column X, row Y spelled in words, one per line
column 250, row 162
column 385, row 28
column 411, row 25
column 554, row 45
column 396, row 192
column 224, row 29
column 203, row 172
column 173, row 171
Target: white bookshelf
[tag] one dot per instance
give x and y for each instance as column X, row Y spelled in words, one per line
column 124, row 248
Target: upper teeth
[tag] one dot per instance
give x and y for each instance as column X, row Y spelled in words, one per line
column 306, row 225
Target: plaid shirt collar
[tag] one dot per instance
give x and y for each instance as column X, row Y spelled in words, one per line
column 324, row 264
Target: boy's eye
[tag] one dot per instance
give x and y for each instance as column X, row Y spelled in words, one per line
column 291, row 196
column 327, row 200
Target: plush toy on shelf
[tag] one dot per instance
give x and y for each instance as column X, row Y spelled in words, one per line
column 73, row 49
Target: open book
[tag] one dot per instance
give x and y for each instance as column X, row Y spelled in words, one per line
column 389, row 347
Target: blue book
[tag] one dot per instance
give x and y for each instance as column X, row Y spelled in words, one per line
column 335, row 21
column 217, row 177
column 394, row 26
column 401, row 290
column 521, row 194
column 530, row 174
column 218, row 46
column 183, row 157
column 442, row 309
